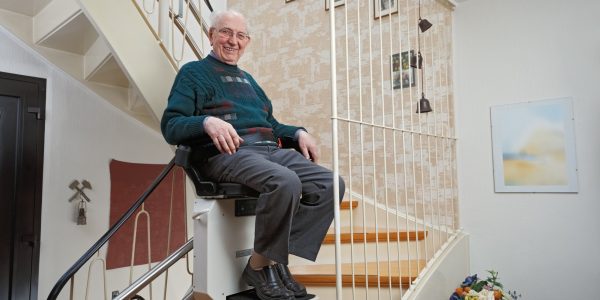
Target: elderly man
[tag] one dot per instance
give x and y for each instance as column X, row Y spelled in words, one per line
column 228, row 119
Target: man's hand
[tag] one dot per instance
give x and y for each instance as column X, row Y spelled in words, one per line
column 222, row 134
column 308, row 145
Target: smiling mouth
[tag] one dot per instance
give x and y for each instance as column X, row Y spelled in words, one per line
column 229, row 49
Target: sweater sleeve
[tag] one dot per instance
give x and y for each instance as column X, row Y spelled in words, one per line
column 279, row 130
column 179, row 124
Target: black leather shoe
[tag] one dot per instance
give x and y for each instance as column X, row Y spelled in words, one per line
column 267, row 283
column 288, row 281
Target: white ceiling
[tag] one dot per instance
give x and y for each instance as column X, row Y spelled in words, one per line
column 24, row 7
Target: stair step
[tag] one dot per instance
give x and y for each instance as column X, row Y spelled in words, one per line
column 75, row 35
column 395, row 273
column 347, row 203
column 109, row 72
column 369, row 235
column 251, row 295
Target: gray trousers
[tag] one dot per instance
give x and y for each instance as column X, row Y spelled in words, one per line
column 295, row 207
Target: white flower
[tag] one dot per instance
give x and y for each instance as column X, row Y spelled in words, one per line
column 486, row 295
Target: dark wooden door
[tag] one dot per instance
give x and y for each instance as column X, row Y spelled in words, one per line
column 22, row 107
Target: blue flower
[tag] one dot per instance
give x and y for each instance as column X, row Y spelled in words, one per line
column 454, row 296
column 469, row 280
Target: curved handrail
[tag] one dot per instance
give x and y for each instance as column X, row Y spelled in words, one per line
column 88, row 254
column 191, row 42
column 207, row 2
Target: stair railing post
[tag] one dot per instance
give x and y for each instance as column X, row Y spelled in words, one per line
column 335, row 152
column 163, row 22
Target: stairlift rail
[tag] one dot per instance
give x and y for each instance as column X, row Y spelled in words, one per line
column 156, row 271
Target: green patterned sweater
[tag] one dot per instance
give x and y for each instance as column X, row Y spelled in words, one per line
column 210, row 87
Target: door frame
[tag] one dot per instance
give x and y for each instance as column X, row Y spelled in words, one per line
column 28, row 108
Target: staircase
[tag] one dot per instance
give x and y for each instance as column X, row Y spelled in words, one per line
column 366, row 267
column 107, row 48
column 112, row 61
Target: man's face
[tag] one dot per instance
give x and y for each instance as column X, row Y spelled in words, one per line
column 229, row 39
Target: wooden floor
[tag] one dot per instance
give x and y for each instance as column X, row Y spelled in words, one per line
column 395, row 272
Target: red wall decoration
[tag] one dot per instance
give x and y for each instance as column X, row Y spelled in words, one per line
column 167, row 202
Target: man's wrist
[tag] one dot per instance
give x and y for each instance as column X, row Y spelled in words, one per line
column 297, row 134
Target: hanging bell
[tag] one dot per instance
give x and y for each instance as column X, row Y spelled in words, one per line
column 416, row 61
column 424, row 106
column 81, row 218
column 424, row 25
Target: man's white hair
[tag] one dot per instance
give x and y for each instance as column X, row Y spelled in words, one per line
column 215, row 18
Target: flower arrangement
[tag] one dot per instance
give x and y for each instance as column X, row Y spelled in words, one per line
column 489, row 289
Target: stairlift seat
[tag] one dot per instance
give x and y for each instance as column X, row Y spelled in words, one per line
column 209, row 189
column 219, row 190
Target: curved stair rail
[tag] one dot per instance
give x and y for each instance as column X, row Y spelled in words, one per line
column 175, row 15
column 132, row 35
column 55, row 292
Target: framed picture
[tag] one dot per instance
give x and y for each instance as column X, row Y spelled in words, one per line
column 534, row 147
column 336, row 3
column 385, row 7
column 403, row 75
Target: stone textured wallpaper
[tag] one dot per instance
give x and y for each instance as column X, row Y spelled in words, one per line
column 387, row 151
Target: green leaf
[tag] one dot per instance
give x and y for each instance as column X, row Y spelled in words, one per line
column 479, row 285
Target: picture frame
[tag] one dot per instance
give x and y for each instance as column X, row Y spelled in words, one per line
column 534, row 147
column 403, row 75
column 336, row 2
column 385, row 7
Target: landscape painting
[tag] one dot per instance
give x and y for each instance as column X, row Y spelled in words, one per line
column 534, row 147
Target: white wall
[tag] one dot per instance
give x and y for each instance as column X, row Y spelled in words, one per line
column 544, row 245
column 83, row 133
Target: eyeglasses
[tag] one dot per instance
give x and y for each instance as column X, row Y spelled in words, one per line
column 228, row 33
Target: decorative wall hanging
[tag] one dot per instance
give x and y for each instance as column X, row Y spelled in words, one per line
column 336, row 3
column 403, row 75
column 81, row 198
column 385, row 7
column 158, row 226
column 423, row 106
column 534, row 147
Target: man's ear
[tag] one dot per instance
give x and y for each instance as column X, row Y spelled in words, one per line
column 211, row 31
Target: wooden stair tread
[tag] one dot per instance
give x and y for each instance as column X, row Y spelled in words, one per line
column 368, row 234
column 347, row 203
column 324, row 274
